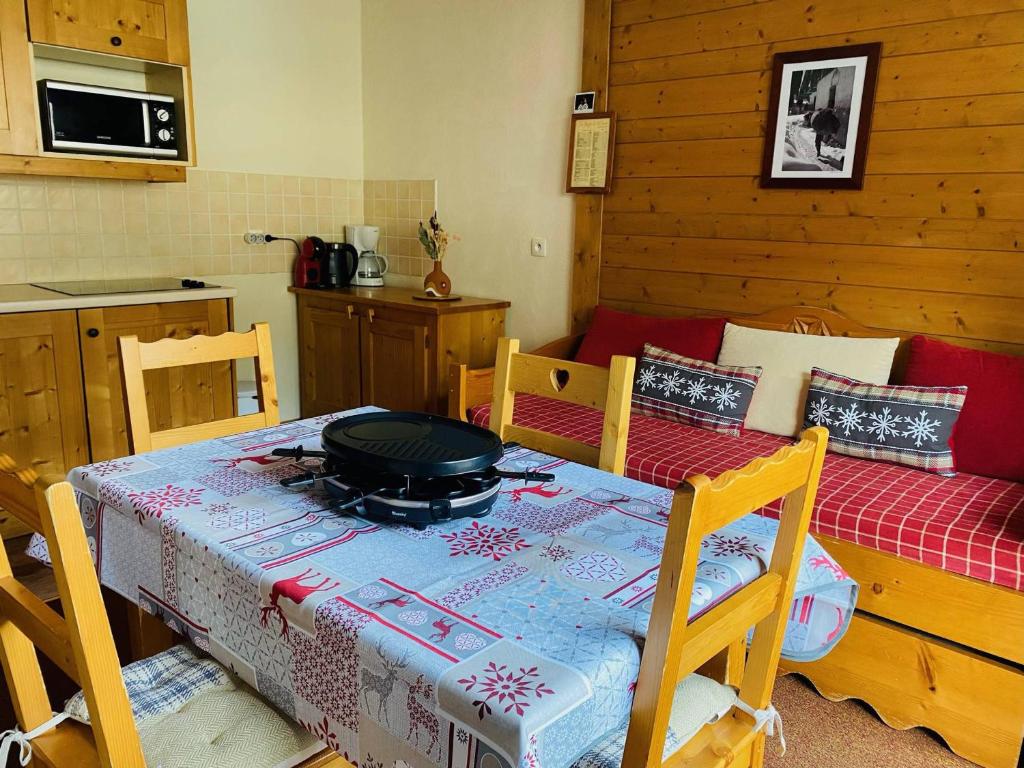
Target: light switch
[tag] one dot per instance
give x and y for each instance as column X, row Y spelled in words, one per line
column 539, row 246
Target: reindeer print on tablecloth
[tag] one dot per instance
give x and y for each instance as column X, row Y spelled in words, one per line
column 296, row 588
column 382, row 685
column 421, row 717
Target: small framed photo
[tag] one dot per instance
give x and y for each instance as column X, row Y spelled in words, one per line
column 819, row 117
column 584, row 102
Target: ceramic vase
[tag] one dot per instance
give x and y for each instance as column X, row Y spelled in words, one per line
column 437, row 283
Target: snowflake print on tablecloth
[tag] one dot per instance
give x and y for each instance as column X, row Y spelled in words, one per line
column 369, row 762
column 505, row 689
column 413, row 618
column 555, row 552
column 671, row 383
column 155, row 502
column 225, row 515
column 821, row 412
column 595, row 567
column 921, row 428
column 725, row 396
column 324, row 668
column 372, row 592
column 490, row 581
column 882, row 424
column 107, row 468
column 848, row 419
column 696, row 389
column 647, row 378
column 484, row 540
column 467, row 641
column 725, row 546
column 323, row 731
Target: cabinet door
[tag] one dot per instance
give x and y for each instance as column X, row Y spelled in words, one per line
column 328, row 357
column 394, row 361
column 42, row 414
column 17, row 94
column 176, row 397
column 156, row 30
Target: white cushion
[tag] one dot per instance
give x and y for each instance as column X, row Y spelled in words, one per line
column 229, row 727
column 698, row 700
column 192, row 713
column 787, row 359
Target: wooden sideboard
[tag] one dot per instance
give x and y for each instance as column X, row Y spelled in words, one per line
column 381, row 346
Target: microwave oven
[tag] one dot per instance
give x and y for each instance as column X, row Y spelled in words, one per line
column 91, row 119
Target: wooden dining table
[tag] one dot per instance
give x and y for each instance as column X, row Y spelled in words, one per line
column 506, row 641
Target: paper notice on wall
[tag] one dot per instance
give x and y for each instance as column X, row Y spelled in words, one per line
column 590, row 152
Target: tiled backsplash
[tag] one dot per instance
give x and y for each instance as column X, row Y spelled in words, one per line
column 67, row 229
column 398, row 207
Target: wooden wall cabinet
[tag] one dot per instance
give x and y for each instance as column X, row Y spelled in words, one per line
column 155, row 30
column 17, row 95
column 135, row 44
column 177, row 397
column 379, row 346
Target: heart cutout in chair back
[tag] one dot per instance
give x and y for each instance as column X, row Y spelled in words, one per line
column 559, row 378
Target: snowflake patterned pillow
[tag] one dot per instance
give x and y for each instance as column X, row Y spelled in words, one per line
column 902, row 424
column 694, row 392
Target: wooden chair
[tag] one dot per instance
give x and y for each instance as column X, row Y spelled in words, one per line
column 80, row 642
column 606, row 389
column 675, row 648
column 137, row 357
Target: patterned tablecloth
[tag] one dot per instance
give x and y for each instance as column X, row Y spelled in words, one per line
column 512, row 640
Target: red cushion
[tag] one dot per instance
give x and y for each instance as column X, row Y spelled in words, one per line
column 623, row 333
column 989, row 440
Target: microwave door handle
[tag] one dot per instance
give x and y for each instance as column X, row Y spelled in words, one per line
column 145, row 122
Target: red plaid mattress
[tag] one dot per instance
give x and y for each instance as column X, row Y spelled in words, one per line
column 966, row 524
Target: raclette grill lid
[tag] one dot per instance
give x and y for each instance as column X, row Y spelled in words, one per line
column 409, row 443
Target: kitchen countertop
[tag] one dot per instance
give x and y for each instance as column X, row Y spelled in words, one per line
column 28, row 298
column 402, row 298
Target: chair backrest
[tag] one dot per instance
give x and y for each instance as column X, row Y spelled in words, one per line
column 606, row 389
column 137, row 357
column 676, row 647
column 80, row 642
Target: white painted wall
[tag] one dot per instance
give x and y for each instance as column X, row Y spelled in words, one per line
column 478, row 94
column 277, row 86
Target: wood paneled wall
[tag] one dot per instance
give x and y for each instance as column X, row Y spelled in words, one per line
column 932, row 244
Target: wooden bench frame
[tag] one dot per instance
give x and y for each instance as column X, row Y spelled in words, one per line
column 958, row 671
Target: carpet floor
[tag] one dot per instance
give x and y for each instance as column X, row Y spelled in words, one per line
column 847, row 734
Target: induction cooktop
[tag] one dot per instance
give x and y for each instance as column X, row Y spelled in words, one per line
column 129, row 285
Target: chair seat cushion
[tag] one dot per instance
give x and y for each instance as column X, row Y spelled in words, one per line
column 192, row 713
column 230, row 727
column 697, row 701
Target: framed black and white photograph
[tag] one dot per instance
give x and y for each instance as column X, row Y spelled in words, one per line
column 584, row 102
column 819, row 117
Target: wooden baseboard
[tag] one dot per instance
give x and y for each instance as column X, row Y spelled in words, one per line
column 974, row 702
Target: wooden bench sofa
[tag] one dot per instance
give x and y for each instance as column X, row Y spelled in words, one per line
column 927, row 647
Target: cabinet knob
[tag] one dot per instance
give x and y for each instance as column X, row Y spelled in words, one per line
column 349, row 309
column 92, row 333
column 369, row 314
column 115, row 41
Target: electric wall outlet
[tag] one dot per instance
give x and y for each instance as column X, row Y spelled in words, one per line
column 539, row 246
column 256, row 237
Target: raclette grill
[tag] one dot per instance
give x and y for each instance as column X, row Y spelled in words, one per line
column 408, row 467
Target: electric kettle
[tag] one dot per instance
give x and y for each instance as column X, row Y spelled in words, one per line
column 371, row 270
